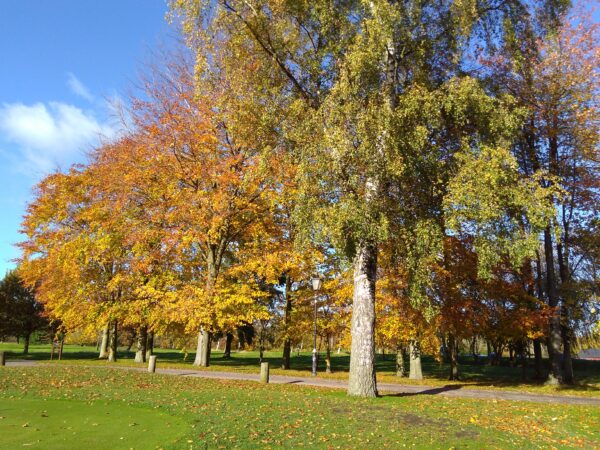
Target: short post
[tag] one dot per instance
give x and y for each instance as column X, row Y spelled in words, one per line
column 2, row 359
column 152, row 364
column 264, row 372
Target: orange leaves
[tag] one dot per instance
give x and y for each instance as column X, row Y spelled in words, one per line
column 169, row 225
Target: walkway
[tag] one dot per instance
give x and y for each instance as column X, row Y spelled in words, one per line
column 384, row 388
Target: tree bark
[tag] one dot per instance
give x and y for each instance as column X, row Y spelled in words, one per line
column 203, row 349
column 567, row 364
column 537, row 362
column 61, row 346
column 416, row 371
column 112, row 350
column 568, row 377
column 140, row 353
column 149, row 345
column 400, row 361
column 228, row 341
column 362, row 380
column 453, row 350
column 204, row 337
column 287, row 342
column 26, row 344
column 104, row 343
column 554, row 328
column 328, row 356
column 474, row 349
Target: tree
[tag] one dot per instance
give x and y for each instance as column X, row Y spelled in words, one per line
column 552, row 70
column 20, row 312
column 209, row 182
column 346, row 73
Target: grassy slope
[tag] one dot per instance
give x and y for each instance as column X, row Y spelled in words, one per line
column 249, row 415
column 473, row 375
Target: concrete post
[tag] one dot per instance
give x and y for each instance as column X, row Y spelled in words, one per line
column 264, row 372
column 152, row 364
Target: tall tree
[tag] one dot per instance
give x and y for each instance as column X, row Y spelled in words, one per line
column 21, row 313
column 551, row 67
column 346, row 70
column 214, row 179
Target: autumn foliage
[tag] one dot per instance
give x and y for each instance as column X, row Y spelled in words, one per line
column 258, row 163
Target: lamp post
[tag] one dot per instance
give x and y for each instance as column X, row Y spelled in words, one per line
column 316, row 285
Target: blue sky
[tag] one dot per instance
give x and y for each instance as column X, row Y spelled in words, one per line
column 61, row 64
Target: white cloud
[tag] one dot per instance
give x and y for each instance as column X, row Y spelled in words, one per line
column 50, row 135
column 78, row 87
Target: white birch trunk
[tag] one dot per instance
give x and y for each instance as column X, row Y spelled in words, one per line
column 104, row 343
column 202, row 349
column 362, row 381
column 416, row 371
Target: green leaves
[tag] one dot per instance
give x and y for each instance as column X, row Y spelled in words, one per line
column 501, row 209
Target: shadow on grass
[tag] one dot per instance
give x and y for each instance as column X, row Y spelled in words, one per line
column 433, row 391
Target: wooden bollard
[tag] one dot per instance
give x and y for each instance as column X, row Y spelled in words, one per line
column 264, row 372
column 152, row 364
column 2, row 359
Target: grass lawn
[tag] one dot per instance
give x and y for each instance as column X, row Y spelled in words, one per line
column 46, row 422
column 474, row 375
column 71, row 406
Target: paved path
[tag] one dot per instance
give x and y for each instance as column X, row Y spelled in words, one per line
column 384, row 388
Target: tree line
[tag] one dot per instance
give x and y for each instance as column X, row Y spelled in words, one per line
column 435, row 163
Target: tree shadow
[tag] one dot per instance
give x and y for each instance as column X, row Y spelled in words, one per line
column 432, row 391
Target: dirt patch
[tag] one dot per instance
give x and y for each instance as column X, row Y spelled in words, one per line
column 467, row 434
column 419, row 421
column 414, row 420
column 341, row 411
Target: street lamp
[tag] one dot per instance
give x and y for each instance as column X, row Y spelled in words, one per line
column 316, row 285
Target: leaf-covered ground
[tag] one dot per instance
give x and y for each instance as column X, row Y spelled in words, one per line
column 230, row 414
column 473, row 375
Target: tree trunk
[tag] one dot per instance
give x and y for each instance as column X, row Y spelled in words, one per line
column 537, row 362
column 567, row 364
column 228, row 341
column 554, row 328
column 453, row 350
column 362, row 380
column 287, row 343
column 520, row 347
column 112, row 350
column 149, row 345
column 328, row 356
column 474, row 349
column 26, row 344
column 104, row 344
column 203, row 349
column 568, row 377
column 140, row 353
column 416, row 372
column 61, row 346
column 204, row 336
column 400, row 361
column 287, row 351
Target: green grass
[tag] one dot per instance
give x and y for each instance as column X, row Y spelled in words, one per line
column 58, row 423
column 473, row 375
column 206, row 413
